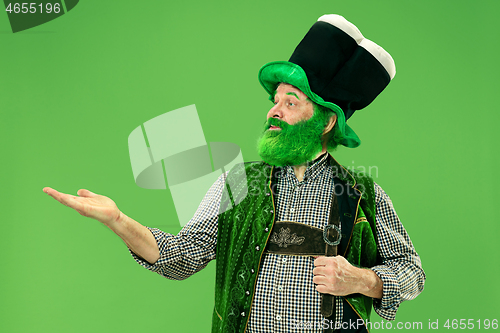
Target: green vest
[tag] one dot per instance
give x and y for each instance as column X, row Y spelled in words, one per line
column 245, row 224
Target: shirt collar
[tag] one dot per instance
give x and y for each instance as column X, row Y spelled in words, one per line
column 314, row 168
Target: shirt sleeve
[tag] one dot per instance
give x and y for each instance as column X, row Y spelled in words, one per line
column 194, row 246
column 401, row 270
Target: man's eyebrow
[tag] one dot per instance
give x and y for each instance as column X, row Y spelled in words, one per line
column 294, row 94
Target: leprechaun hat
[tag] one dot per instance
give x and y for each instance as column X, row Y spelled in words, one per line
column 336, row 67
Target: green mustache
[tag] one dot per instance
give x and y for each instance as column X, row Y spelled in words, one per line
column 276, row 122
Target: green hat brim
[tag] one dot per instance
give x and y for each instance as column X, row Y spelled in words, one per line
column 276, row 72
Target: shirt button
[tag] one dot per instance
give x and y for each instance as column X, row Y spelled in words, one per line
column 268, row 194
column 278, row 317
column 266, row 230
column 272, row 211
column 247, row 292
column 252, row 271
column 257, row 248
column 243, row 314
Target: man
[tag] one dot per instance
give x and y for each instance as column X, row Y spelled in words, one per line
column 301, row 243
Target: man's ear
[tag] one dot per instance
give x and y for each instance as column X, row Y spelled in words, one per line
column 330, row 124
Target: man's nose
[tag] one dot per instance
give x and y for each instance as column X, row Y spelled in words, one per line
column 275, row 112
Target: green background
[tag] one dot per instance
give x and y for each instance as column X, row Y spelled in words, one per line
column 73, row 89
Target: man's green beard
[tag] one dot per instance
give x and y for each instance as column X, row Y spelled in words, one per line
column 293, row 144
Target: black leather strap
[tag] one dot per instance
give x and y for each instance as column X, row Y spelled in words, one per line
column 328, row 300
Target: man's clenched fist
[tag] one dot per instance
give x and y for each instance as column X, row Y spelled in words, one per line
column 336, row 276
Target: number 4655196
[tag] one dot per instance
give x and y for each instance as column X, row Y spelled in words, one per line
column 32, row 8
column 471, row 324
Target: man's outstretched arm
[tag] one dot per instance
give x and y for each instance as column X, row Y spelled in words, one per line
column 137, row 237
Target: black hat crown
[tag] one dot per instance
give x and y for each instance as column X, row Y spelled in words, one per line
column 341, row 65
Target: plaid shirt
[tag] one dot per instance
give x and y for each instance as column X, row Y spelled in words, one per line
column 285, row 296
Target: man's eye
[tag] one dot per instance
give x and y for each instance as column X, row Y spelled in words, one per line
column 291, row 104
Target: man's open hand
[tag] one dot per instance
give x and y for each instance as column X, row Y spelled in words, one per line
column 336, row 276
column 88, row 204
